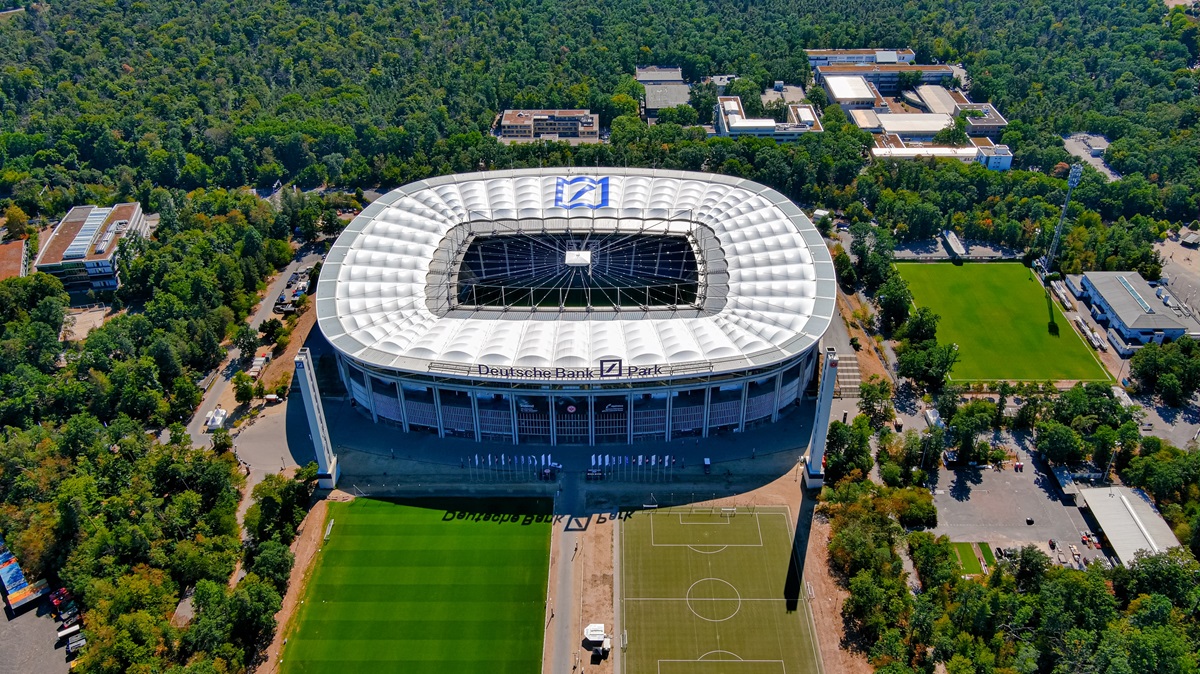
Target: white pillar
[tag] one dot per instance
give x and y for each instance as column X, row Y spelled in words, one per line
column 814, row 465
column 327, row 464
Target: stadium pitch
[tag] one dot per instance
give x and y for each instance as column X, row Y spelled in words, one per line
column 1005, row 324
column 426, row 586
column 706, row 591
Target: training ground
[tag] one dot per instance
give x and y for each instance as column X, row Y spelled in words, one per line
column 1005, row 324
column 704, row 592
column 423, row 589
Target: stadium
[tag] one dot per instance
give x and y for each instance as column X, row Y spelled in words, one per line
column 587, row 307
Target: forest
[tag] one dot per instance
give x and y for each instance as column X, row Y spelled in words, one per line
column 180, row 105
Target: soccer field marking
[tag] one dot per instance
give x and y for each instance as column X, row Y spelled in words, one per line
column 757, row 524
column 723, row 523
column 707, row 552
column 699, row 666
column 688, row 598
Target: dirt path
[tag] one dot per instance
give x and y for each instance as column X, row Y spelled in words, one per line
column 827, row 605
column 305, row 548
column 870, row 361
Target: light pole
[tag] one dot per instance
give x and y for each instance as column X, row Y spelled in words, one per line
column 1072, row 181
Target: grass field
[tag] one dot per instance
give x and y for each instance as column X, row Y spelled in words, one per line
column 1005, row 325
column 988, row 556
column 967, row 559
column 703, row 593
column 446, row 587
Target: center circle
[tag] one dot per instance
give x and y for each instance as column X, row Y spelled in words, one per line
column 714, row 600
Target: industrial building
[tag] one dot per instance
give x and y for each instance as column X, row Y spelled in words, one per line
column 825, row 57
column 81, row 251
column 664, row 87
column 1128, row 520
column 549, row 125
column 730, row 120
column 553, row 307
column 1134, row 312
column 885, row 76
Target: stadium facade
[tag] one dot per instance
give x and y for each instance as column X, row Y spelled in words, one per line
column 556, row 306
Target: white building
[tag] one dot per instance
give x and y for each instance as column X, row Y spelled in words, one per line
column 824, row 57
column 730, row 120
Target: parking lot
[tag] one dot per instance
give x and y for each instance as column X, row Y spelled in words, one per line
column 29, row 643
column 988, row 505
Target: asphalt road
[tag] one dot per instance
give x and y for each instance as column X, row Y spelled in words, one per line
column 230, row 365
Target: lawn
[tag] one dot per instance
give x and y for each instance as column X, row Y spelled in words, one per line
column 704, row 593
column 988, row 557
column 426, row 586
column 967, row 559
column 1003, row 321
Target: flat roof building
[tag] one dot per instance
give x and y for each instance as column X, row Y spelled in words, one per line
column 549, row 125
column 824, row 57
column 995, row 157
column 885, row 76
column 660, row 96
column 854, row 93
column 1140, row 314
column 730, row 120
column 12, row 259
column 1129, row 521
column 659, row 75
column 80, row 252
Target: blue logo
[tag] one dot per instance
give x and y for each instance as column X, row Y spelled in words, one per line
column 581, row 192
column 610, row 367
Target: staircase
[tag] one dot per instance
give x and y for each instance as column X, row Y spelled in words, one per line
column 848, row 377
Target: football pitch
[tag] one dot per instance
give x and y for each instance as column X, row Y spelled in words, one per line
column 423, row 586
column 704, row 592
column 1005, row 324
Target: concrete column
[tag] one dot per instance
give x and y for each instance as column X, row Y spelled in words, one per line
column 475, row 414
column 553, row 421
column 670, row 405
column 778, row 392
column 707, row 407
column 437, row 407
column 403, row 409
column 742, row 415
column 370, row 380
column 512, row 405
column 327, row 465
column 591, row 402
column 629, row 418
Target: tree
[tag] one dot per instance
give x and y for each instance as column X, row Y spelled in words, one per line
column 844, row 268
column 16, row 221
column 927, row 365
column 222, row 441
column 875, row 400
column 243, row 387
column 271, row 330
column 683, row 115
column 246, row 340
column 1059, row 443
column 273, row 563
column 895, row 300
column 921, row 326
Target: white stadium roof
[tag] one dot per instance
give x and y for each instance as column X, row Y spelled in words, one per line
column 382, row 297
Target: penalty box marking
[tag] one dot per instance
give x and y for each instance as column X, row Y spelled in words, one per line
column 757, row 524
column 721, row 666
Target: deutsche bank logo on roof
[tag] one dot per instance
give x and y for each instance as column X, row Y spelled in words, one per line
column 610, row 367
column 581, row 192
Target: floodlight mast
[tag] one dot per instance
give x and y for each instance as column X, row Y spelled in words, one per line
column 1072, row 181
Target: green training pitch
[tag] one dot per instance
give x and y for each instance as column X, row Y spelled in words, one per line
column 426, row 586
column 708, row 593
column 967, row 559
column 1004, row 322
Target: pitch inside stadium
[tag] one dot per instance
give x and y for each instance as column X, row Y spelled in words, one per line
column 577, row 307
